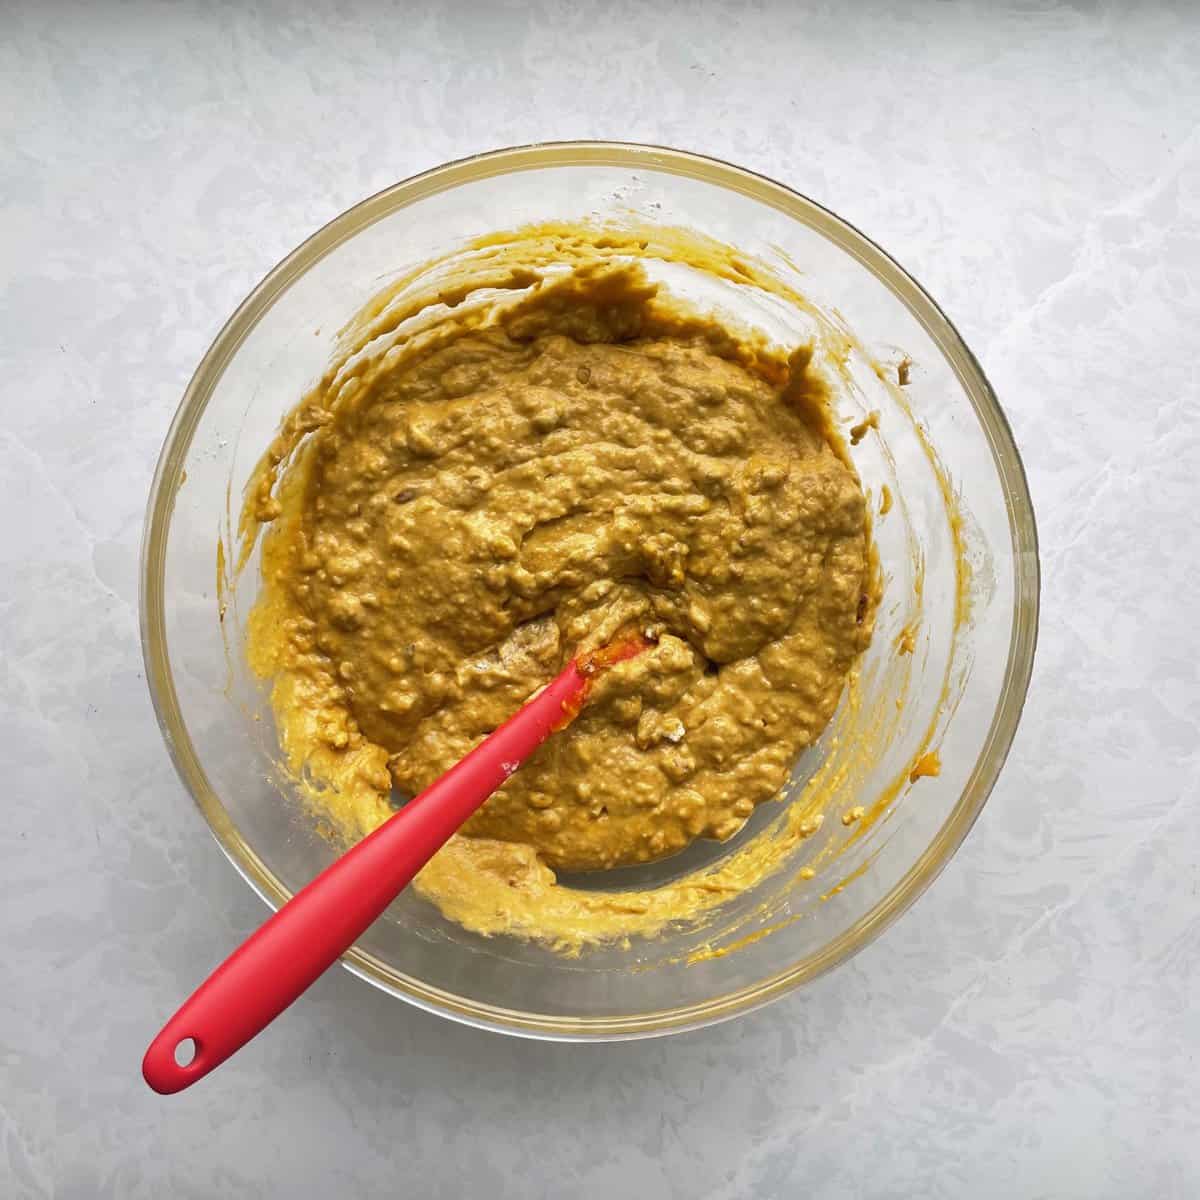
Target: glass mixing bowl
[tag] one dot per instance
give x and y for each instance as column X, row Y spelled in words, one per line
column 958, row 552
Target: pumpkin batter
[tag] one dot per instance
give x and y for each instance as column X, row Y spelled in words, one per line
column 470, row 509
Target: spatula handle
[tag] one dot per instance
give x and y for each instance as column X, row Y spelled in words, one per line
column 323, row 920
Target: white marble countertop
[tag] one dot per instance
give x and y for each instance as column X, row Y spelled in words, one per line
column 1031, row 1028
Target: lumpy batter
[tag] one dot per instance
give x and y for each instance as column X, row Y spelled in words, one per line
column 466, row 515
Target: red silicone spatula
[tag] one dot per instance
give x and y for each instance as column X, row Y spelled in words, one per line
column 323, row 920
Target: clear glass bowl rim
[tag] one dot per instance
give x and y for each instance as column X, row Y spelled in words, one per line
column 936, row 324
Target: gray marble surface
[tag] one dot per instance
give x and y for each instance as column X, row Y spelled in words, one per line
column 1030, row 1028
